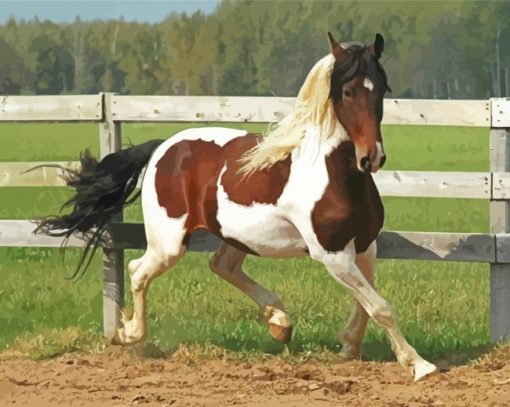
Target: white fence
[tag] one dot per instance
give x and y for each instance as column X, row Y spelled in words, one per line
column 110, row 111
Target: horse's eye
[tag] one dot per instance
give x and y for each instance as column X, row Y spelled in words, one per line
column 348, row 93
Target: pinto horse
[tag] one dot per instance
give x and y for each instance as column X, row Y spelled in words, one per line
column 304, row 189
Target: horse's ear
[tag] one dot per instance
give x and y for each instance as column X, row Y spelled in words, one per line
column 336, row 48
column 377, row 47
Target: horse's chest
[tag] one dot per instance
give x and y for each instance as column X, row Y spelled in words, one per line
column 350, row 208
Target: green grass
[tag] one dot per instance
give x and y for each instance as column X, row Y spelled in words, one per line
column 442, row 307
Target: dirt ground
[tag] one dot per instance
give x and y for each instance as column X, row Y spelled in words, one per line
column 114, row 378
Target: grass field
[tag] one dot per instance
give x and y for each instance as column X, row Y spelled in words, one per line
column 442, row 307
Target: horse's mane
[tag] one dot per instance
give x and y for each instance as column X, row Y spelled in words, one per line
column 313, row 107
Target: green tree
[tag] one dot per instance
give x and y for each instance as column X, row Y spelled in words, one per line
column 54, row 67
column 14, row 75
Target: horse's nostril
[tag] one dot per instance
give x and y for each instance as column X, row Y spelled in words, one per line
column 365, row 164
column 383, row 160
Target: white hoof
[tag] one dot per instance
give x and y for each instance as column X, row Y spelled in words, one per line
column 423, row 369
column 130, row 333
column 280, row 327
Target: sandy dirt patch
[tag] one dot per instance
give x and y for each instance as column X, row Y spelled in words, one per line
column 114, row 378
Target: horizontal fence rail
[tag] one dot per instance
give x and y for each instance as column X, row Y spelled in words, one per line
column 434, row 184
column 110, row 111
column 231, row 109
column 23, row 174
column 51, row 108
column 424, row 184
column 269, row 109
column 477, row 247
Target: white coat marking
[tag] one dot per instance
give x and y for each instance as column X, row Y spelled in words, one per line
column 379, row 154
column 367, row 83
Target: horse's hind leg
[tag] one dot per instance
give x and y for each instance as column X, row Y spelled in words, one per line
column 161, row 254
column 227, row 263
column 353, row 332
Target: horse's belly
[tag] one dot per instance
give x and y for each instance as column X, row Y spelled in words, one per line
column 261, row 228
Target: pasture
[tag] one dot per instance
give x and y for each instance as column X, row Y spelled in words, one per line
column 442, row 307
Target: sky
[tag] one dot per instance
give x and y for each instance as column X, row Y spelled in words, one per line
column 62, row 11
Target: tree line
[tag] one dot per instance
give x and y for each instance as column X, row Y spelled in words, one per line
column 433, row 49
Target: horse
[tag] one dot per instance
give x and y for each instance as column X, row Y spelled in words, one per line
column 303, row 189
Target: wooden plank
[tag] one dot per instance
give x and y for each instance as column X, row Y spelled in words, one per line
column 474, row 185
column 500, row 223
column 132, row 236
column 472, row 247
column 474, row 113
column 425, row 184
column 13, row 174
column 390, row 183
column 434, row 184
column 19, row 233
column 110, row 140
column 270, row 109
column 200, row 108
column 501, row 186
column 231, row 109
column 503, row 248
column 500, row 109
column 51, row 108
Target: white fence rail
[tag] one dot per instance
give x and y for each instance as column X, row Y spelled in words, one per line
column 110, row 111
column 431, row 184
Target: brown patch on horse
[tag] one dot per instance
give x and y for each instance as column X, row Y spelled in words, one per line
column 263, row 186
column 186, row 183
column 187, row 178
column 351, row 206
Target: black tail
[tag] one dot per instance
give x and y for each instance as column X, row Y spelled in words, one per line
column 102, row 190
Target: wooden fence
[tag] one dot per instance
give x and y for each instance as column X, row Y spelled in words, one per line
column 110, row 111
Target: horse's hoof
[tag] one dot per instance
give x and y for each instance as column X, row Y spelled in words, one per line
column 282, row 334
column 424, row 369
column 128, row 335
column 121, row 340
column 280, row 327
column 347, row 356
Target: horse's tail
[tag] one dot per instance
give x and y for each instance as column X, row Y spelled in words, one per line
column 102, row 190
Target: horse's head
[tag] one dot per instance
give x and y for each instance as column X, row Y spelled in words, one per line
column 358, row 85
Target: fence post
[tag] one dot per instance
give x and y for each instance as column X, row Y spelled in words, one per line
column 500, row 221
column 113, row 259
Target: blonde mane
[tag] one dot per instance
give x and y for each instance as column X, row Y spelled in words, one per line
column 313, row 107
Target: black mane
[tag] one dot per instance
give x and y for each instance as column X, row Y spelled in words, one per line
column 358, row 61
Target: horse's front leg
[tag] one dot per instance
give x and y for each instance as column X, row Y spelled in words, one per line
column 342, row 266
column 354, row 331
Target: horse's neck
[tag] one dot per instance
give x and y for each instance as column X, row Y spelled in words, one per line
column 314, row 144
